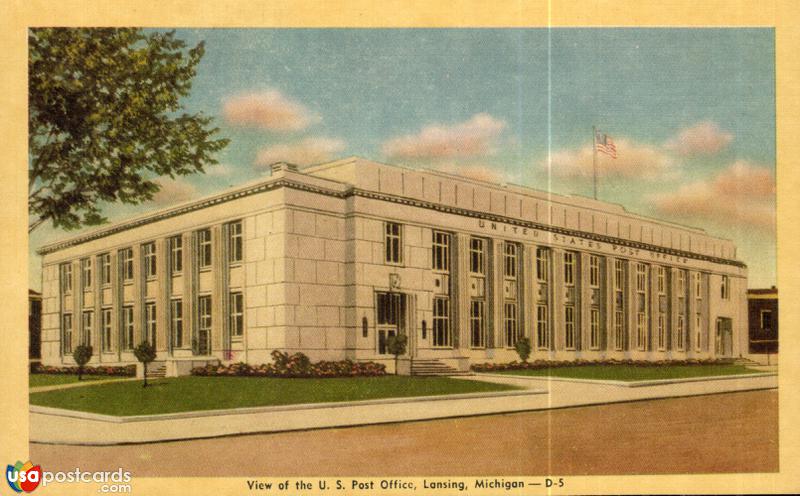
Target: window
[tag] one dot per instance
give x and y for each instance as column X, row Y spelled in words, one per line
column 235, row 246
column 569, row 327
column 441, row 323
column 641, row 313
column 661, row 280
column 477, row 324
column 725, row 288
column 542, row 262
column 126, row 264
column 681, row 283
column 510, row 258
column 237, row 314
column 619, row 304
column 88, row 325
column 441, row 251
column 594, row 328
column 766, row 320
column 393, row 243
column 203, row 325
column 641, row 330
column 476, row 256
column 176, row 253
column 66, row 333
column 662, row 331
column 104, row 261
column 594, row 271
column 619, row 328
column 127, row 328
column 66, row 278
column 698, row 286
column 86, row 273
column 641, row 277
column 204, row 248
column 106, row 317
column 150, row 322
column 619, row 275
column 569, row 268
column 510, row 325
column 542, row 333
column 698, row 330
column 149, row 252
column 176, row 323
column 681, row 331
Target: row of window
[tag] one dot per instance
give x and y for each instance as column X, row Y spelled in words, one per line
column 150, row 266
column 150, row 328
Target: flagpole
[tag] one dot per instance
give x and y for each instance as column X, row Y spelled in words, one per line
column 594, row 159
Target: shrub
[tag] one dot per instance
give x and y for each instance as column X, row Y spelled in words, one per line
column 550, row 364
column 82, row 355
column 523, row 348
column 396, row 345
column 293, row 366
column 116, row 370
column 145, row 353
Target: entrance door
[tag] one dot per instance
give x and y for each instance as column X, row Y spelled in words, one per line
column 723, row 342
column 390, row 319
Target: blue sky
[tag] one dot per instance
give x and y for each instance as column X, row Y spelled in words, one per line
column 691, row 111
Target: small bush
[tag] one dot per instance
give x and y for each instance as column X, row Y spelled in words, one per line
column 116, row 370
column 293, row 366
column 82, row 355
column 523, row 349
column 550, row 364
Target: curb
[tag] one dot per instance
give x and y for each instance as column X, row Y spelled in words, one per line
column 631, row 384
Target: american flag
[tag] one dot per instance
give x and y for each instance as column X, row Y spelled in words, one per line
column 605, row 144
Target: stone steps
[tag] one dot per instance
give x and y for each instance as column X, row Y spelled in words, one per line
column 428, row 367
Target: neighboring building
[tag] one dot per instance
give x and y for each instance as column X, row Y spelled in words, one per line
column 762, row 306
column 34, row 324
column 334, row 259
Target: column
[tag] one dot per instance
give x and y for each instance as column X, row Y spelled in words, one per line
column 654, row 309
column 98, row 308
column 527, row 293
column 189, row 290
column 494, row 294
column 607, row 304
column 583, row 301
column 691, row 324
column 139, row 285
column 219, row 294
column 460, row 302
column 164, row 279
column 557, row 282
column 116, row 304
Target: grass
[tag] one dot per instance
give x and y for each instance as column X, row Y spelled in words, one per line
column 183, row 394
column 38, row 380
column 633, row 373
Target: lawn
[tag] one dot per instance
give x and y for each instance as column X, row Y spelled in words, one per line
column 633, row 373
column 183, row 394
column 37, row 380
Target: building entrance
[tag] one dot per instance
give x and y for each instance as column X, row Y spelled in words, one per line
column 390, row 319
column 723, row 343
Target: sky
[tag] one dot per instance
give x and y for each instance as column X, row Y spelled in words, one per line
column 691, row 111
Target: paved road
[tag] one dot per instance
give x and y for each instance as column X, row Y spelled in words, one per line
column 732, row 432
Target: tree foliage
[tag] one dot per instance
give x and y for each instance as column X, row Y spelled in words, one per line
column 82, row 354
column 396, row 345
column 523, row 348
column 145, row 353
column 105, row 120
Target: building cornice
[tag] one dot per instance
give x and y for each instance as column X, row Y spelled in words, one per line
column 302, row 186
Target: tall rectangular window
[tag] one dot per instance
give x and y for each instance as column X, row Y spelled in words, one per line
column 235, row 242
column 619, row 304
column 725, row 290
column 477, row 324
column 66, row 277
column 594, row 328
column 393, row 243
column 510, row 324
column 542, row 264
column 542, row 332
column 104, row 261
column 441, row 251
column 204, row 325
column 176, row 323
column 88, row 326
column 569, row 327
column 766, row 320
column 698, row 330
column 237, row 314
column 204, row 248
column 594, row 271
column 477, row 256
column 150, row 322
column 681, row 332
column 698, row 286
column 441, row 323
column 641, row 310
column 126, row 264
column 661, row 280
column 619, row 275
column 569, row 268
column 106, row 331
column 66, row 333
column 510, row 258
column 86, row 273
column 149, row 253
column 662, row 331
column 176, row 254
column 127, row 328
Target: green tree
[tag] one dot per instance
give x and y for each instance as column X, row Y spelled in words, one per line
column 523, row 348
column 82, row 354
column 397, row 346
column 105, row 120
column 145, row 353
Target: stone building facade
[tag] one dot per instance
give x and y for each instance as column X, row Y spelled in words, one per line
column 334, row 259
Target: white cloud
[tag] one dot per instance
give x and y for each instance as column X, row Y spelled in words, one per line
column 269, row 110
column 634, row 161
column 305, row 152
column 703, row 138
column 173, row 191
column 475, row 137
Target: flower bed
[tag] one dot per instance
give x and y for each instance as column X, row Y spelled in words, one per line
column 296, row 365
column 549, row 364
column 125, row 370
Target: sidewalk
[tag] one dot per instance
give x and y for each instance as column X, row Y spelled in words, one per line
column 54, row 387
column 50, row 425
